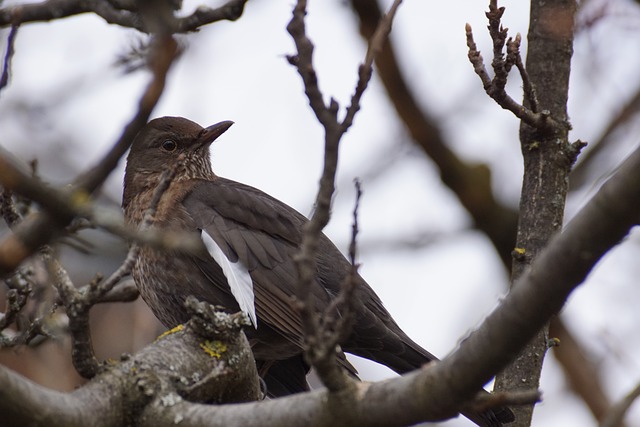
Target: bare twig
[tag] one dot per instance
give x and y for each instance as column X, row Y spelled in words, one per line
column 8, row 56
column 78, row 302
column 230, row 11
column 77, row 309
column 495, row 87
column 343, row 303
column 471, row 183
column 125, row 291
column 106, row 286
column 626, row 115
column 321, row 355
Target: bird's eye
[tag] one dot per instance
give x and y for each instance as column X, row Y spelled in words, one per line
column 169, row 145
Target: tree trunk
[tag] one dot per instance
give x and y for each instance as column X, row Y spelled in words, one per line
column 548, row 157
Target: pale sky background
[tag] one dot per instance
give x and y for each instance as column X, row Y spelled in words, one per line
column 67, row 99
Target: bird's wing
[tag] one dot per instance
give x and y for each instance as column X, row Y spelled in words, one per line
column 256, row 234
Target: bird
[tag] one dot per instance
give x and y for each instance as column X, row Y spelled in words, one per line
column 251, row 239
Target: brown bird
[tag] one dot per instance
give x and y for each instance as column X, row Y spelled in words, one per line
column 251, row 239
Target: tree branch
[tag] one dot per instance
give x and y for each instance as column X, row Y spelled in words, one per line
column 117, row 12
column 495, row 87
column 418, row 396
column 471, row 183
column 210, row 359
column 320, row 341
column 615, row 415
column 39, row 229
column 8, row 56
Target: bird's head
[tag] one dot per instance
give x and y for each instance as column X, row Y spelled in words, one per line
column 163, row 144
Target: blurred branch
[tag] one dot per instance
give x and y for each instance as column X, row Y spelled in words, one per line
column 470, row 183
column 162, row 55
column 38, row 229
column 579, row 174
column 8, row 56
column 125, row 14
column 8, row 209
column 20, row 288
column 583, row 375
column 78, row 302
column 615, row 414
column 60, row 202
column 319, row 339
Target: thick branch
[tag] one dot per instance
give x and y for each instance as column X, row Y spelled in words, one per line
column 199, row 363
column 548, row 157
column 543, row 289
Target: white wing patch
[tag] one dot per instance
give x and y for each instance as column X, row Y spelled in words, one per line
column 238, row 277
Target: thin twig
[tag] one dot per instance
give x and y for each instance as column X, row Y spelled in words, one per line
column 495, row 87
column 8, row 56
column 125, row 268
column 78, row 302
column 343, row 303
column 125, row 291
column 365, row 70
column 320, row 354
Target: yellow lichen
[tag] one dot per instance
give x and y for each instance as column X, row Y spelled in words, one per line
column 170, row 331
column 520, row 251
column 80, row 197
column 214, row 348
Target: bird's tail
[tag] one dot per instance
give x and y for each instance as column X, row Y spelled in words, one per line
column 396, row 350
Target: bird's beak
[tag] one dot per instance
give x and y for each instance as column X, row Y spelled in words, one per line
column 210, row 134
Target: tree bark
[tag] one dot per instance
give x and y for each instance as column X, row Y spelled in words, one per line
column 548, row 157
